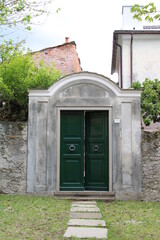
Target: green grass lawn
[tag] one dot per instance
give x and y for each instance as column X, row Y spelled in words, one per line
column 45, row 218
column 132, row 220
column 30, row 217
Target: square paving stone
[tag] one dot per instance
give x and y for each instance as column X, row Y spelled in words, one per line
column 85, row 202
column 82, row 232
column 87, row 222
column 84, row 209
column 84, row 205
column 74, row 215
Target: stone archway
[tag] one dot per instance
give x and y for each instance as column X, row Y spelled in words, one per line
column 84, row 91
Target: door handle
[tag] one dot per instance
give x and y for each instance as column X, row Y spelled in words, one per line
column 95, row 148
column 72, row 148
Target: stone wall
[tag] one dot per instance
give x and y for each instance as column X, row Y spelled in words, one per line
column 151, row 166
column 150, row 170
column 13, row 157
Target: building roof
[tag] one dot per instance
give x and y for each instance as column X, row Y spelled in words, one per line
column 58, row 46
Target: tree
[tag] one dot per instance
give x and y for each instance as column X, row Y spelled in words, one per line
column 17, row 76
column 8, row 49
column 21, row 13
column 149, row 12
column 150, row 100
column 18, row 72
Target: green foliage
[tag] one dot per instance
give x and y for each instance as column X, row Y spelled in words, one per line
column 8, row 49
column 21, row 12
column 148, row 12
column 17, row 76
column 150, row 100
column 136, row 85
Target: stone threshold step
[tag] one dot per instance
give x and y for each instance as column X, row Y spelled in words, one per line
column 85, row 193
column 107, row 199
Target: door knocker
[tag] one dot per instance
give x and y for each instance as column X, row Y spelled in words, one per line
column 72, row 148
column 95, row 148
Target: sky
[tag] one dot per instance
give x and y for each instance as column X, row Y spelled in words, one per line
column 90, row 23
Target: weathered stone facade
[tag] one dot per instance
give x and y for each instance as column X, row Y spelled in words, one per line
column 87, row 92
column 13, row 160
column 13, row 157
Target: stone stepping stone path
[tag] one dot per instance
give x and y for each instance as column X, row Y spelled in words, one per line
column 86, row 221
column 85, row 209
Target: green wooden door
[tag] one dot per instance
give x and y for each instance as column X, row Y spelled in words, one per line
column 96, row 155
column 72, row 151
column 75, row 151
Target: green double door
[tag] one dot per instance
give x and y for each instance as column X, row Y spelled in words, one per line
column 84, row 151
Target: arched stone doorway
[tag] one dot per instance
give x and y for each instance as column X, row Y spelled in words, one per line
column 83, row 98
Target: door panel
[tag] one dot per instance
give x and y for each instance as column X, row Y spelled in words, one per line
column 72, row 151
column 96, row 151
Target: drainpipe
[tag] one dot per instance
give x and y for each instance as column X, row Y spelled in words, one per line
column 121, row 79
column 131, row 59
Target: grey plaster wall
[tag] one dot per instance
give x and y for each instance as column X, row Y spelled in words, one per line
column 127, row 147
column 39, row 167
column 84, row 91
column 13, row 157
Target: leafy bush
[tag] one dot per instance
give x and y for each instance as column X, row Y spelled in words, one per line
column 136, row 85
column 17, row 76
column 150, row 100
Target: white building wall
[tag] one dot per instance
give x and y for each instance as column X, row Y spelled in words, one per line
column 146, row 57
column 145, row 60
